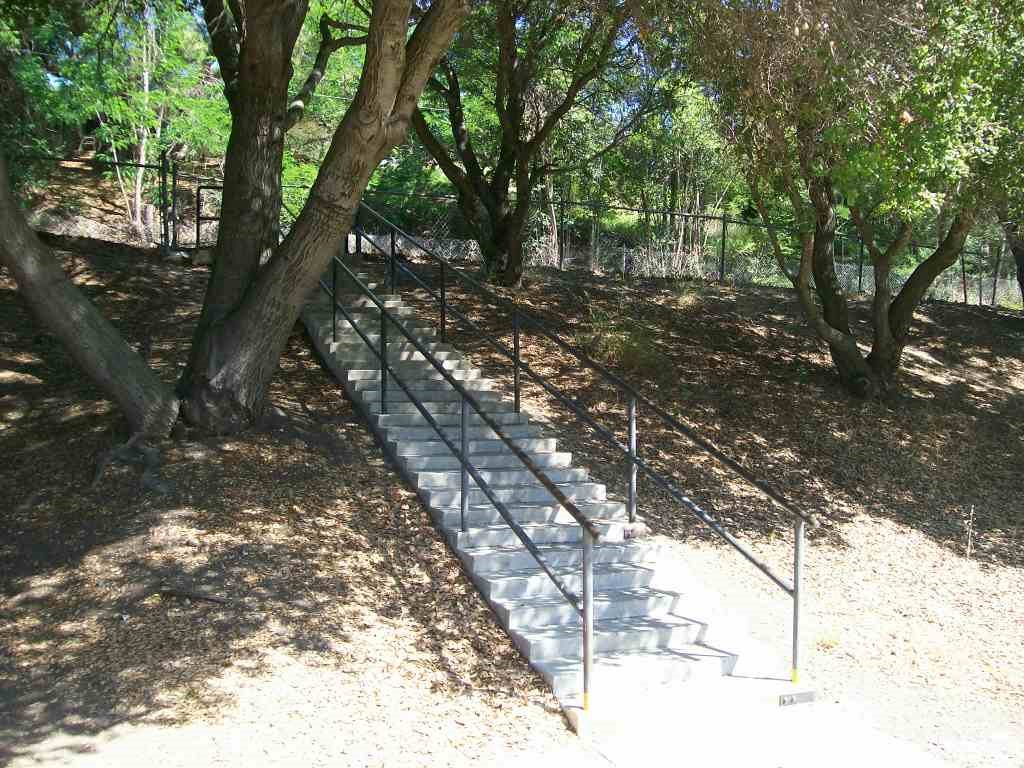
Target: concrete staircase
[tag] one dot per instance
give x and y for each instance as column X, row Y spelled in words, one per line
column 640, row 637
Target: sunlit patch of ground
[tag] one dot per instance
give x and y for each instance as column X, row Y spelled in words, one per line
column 914, row 576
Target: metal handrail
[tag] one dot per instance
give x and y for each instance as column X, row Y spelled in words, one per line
column 590, row 532
column 801, row 519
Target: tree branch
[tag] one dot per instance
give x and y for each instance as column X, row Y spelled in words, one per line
column 328, row 45
column 224, row 42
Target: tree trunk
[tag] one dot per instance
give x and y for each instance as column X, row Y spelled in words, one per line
column 213, row 396
column 93, row 343
column 258, row 287
column 1015, row 240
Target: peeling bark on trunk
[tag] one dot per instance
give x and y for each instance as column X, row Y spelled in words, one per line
column 93, row 343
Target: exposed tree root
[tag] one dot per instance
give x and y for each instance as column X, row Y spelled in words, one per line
column 135, row 452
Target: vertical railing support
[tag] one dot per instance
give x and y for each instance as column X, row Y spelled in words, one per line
column 464, row 448
column 963, row 274
column 359, row 245
column 631, row 506
column 444, row 303
column 561, row 235
column 860, row 269
column 334, row 301
column 174, row 205
column 392, row 269
column 165, row 232
column 199, row 214
column 798, row 563
column 515, row 355
column 721, row 252
column 588, row 616
column 383, row 358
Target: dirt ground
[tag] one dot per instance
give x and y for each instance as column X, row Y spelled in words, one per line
column 287, row 587
column 289, row 602
column 913, row 578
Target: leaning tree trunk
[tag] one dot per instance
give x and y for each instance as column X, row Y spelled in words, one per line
column 93, row 343
column 259, row 297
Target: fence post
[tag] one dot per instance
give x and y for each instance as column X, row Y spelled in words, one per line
column 199, row 214
column 444, row 303
column 165, row 239
column 334, row 301
column 515, row 354
column 721, row 254
column 995, row 277
column 174, row 206
column 561, row 234
column 632, row 459
column 860, row 269
column 393, row 271
column 981, row 298
column 464, row 448
column 963, row 274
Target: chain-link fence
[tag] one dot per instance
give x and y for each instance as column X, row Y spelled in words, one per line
column 637, row 243
column 667, row 244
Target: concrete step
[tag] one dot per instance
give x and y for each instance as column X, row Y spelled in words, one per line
column 482, row 515
column 608, row 604
column 348, row 336
column 385, row 420
column 500, row 535
column 437, row 447
column 533, row 582
column 453, row 478
column 489, row 402
column 523, row 493
column 635, row 633
column 427, row 393
column 418, row 329
column 354, row 300
column 367, row 311
column 515, row 557
column 479, row 432
column 626, row 675
column 459, row 369
column 470, row 380
column 357, row 355
column 484, row 461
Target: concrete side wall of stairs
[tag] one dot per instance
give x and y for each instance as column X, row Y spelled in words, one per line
column 641, row 638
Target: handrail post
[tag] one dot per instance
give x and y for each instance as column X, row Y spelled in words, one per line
column 588, row 616
column 464, row 447
column 165, row 239
column 174, row 205
column 199, row 214
column 359, row 244
column 392, row 273
column 798, row 561
column 334, row 301
column 383, row 358
column 515, row 353
column 721, row 254
column 444, row 304
column 632, row 460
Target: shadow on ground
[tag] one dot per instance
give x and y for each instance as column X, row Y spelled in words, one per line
column 940, row 454
column 121, row 606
